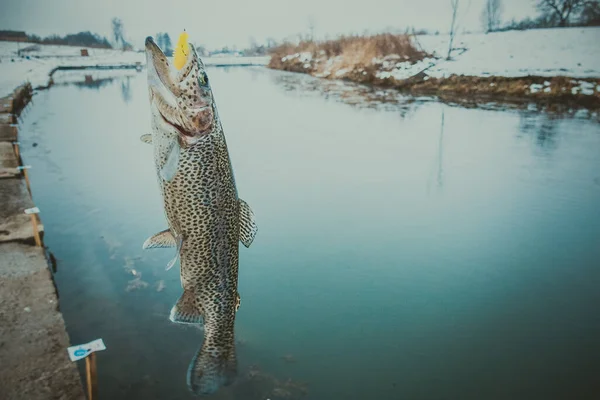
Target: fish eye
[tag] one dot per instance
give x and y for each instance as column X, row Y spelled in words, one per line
column 203, row 79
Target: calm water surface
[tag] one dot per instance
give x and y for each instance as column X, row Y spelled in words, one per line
column 406, row 250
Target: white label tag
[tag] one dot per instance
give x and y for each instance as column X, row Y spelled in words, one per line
column 22, row 167
column 84, row 350
column 33, row 210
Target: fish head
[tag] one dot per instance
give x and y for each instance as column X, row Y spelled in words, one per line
column 181, row 102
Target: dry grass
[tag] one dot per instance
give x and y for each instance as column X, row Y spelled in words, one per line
column 352, row 52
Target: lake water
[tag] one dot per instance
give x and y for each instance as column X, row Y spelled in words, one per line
column 406, row 249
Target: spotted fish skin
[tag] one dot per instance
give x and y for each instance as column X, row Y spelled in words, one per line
column 206, row 219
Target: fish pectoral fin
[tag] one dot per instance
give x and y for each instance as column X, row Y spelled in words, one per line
column 186, row 311
column 179, row 240
column 248, row 226
column 169, row 169
column 147, row 138
column 160, row 240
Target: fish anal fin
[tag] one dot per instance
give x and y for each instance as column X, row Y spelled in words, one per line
column 186, row 310
column 160, row 240
column 248, row 226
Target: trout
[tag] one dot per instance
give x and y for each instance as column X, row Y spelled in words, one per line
column 205, row 217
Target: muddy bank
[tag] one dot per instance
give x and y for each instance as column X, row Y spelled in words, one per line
column 33, row 337
column 513, row 67
column 553, row 92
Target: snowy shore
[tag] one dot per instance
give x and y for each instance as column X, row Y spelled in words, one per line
column 34, row 63
column 538, row 64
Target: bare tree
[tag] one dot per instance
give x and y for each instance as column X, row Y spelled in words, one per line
column 167, row 43
column 561, row 9
column 590, row 15
column 491, row 15
column 118, row 31
column 453, row 25
column 271, row 42
column 201, row 50
column 311, row 27
column 159, row 40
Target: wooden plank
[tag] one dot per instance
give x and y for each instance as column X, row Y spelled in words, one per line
column 14, row 223
column 6, row 104
column 8, row 161
column 7, row 118
column 8, row 133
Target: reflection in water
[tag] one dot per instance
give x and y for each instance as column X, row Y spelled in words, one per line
column 90, row 83
column 126, row 89
column 542, row 127
column 95, row 79
column 356, row 95
column 440, row 179
column 438, row 166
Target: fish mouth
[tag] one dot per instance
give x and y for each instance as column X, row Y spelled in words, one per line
column 159, row 73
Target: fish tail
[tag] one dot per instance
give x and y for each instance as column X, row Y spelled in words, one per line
column 210, row 368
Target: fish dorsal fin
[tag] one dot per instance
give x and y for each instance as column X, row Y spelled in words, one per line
column 248, row 226
column 160, row 240
column 147, row 138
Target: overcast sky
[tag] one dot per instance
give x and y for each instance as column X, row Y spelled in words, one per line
column 226, row 22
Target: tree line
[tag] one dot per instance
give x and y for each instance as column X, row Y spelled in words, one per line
column 552, row 13
column 87, row 39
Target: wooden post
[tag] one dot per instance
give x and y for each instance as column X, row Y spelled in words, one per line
column 91, row 376
column 16, row 149
column 36, row 232
column 27, row 180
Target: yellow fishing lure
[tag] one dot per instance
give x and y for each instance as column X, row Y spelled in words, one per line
column 181, row 51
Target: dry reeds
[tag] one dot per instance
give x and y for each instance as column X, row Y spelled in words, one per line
column 351, row 52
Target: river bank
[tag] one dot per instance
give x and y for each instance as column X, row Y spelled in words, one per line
column 37, row 63
column 33, row 336
column 554, row 67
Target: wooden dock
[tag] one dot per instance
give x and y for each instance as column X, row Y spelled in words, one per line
column 33, row 339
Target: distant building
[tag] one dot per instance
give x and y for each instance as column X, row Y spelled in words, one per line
column 225, row 53
column 13, row 36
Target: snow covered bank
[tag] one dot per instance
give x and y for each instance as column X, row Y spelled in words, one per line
column 573, row 52
column 31, row 62
column 507, row 64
